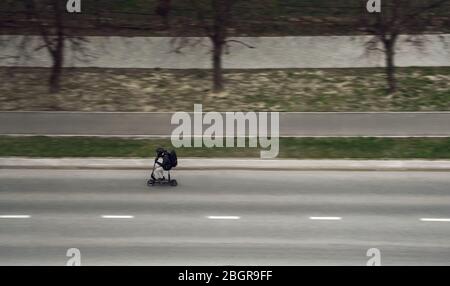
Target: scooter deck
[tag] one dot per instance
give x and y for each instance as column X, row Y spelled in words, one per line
column 152, row 182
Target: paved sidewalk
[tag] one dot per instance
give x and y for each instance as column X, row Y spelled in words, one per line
column 226, row 164
column 292, row 124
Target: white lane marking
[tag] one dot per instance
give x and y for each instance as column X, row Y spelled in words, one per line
column 15, row 216
column 325, row 218
column 436, row 219
column 118, row 216
column 223, row 217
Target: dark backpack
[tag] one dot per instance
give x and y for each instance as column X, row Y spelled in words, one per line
column 166, row 163
column 173, row 158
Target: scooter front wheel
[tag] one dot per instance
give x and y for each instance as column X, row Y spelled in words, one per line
column 174, row 183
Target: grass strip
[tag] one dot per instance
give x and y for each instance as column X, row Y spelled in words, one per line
column 292, row 148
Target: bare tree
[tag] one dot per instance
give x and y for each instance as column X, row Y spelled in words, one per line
column 216, row 29
column 397, row 17
column 163, row 9
column 48, row 17
column 215, row 18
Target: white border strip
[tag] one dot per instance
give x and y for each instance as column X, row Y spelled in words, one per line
column 281, row 112
column 198, row 136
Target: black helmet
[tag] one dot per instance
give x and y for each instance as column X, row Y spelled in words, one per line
column 160, row 151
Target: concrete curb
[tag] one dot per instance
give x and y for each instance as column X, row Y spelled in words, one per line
column 226, row 164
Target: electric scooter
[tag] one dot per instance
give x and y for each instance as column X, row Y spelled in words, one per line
column 153, row 181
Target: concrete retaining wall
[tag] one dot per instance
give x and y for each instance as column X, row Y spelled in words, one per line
column 268, row 52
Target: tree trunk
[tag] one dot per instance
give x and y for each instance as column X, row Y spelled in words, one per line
column 390, row 66
column 163, row 10
column 55, row 78
column 58, row 51
column 218, row 85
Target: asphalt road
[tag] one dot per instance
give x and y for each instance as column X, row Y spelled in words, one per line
column 270, row 221
column 309, row 124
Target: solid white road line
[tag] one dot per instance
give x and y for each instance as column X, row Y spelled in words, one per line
column 325, row 218
column 15, row 216
column 118, row 216
column 436, row 219
column 224, row 217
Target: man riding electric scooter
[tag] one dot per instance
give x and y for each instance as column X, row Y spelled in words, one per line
column 164, row 161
